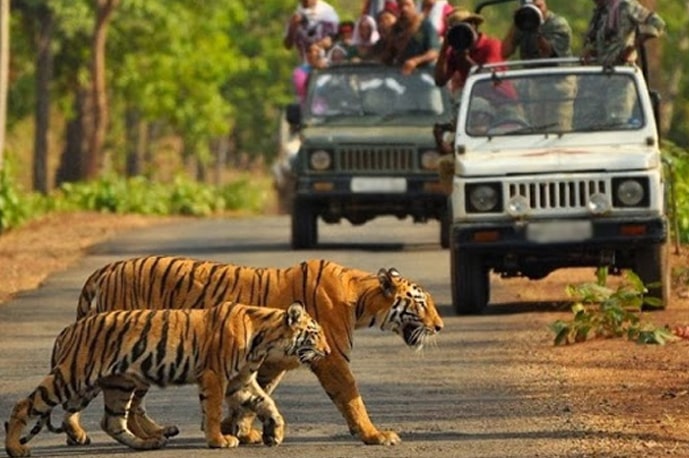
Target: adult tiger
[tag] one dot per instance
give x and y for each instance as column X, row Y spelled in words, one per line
column 220, row 349
column 340, row 298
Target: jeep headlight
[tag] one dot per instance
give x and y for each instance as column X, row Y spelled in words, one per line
column 320, row 160
column 630, row 192
column 483, row 198
column 429, row 159
column 598, row 204
column 518, row 206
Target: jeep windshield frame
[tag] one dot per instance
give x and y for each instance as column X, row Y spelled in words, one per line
column 373, row 94
column 553, row 100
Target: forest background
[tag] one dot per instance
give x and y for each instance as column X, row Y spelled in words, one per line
column 158, row 88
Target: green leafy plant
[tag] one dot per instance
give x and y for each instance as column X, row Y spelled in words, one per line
column 17, row 207
column 603, row 312
column 113, row 194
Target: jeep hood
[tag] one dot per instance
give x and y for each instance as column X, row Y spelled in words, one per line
column 379, row 134
column 555, row 160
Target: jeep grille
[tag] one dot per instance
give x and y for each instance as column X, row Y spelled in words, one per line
column 559, row 195
column 388, row 158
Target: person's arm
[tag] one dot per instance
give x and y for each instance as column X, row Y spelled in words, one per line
column 410, row 64
column 441, row 74
column 291, row 33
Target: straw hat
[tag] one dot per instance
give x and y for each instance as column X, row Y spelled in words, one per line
column 458, row 15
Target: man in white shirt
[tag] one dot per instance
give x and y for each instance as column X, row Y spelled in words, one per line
column 314, row 21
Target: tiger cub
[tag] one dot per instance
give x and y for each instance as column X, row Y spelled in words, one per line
column 220, row 349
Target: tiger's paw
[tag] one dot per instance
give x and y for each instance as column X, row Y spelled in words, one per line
column 170, row 431
column 246, row 435
column 76, row 438
column 273, row 433
column 382, row 438
column 143, row 427
column 253, row 436
column 153, row 443
column 17, row 450
column 223, row 441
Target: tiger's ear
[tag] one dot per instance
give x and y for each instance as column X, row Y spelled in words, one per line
column 386, row 284
column 294, row 313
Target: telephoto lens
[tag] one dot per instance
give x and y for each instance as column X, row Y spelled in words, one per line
column 528, row 18
column 461, row 36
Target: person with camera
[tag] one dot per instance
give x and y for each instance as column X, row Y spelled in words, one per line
column 539, row 33
column 314, row 21
column 463, row 47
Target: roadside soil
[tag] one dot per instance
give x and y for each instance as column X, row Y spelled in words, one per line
column 615, row 385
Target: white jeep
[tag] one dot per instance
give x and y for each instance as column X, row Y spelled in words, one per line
column 557, row 164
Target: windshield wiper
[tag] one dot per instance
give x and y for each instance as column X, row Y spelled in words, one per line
column 412, row 112
column 608, row 126
column 531, row 129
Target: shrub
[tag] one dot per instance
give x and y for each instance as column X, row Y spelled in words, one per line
column 601, row 312
column 139, row 195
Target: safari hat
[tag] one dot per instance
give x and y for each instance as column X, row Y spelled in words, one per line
column 458, row 15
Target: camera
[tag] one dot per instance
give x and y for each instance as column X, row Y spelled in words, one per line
column 528, row 18
column 308, row 25
column 461, row 36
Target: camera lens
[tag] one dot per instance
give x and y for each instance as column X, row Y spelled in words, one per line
column 461, row 36
column 528, row 18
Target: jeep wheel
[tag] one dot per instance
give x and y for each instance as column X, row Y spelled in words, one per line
column 651, row 264
column 304, row 226
column 470, row 282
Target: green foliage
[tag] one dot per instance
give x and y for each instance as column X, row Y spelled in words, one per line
column 15, row 206
column 143, row 196
column 135, row 195
column 602, row 312
column 678, row 161
column 246, row 194
column 11, row 210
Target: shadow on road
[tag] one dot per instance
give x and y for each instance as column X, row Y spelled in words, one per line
column 514, row 308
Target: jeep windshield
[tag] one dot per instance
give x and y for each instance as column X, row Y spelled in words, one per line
column 530, row 103
column 374, row 94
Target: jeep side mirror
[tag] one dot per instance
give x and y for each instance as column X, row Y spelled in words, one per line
column 293, row 112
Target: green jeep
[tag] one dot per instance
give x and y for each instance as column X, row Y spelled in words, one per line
column 367, row 149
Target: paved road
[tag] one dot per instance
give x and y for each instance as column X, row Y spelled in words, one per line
column 478, row 393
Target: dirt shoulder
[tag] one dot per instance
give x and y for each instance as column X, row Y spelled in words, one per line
column 52, row 243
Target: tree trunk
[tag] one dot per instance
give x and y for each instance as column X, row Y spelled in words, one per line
column 674, row 74
column 44, row 75
column 4, row 71
column 134, row 133
column 71, row 167
column 104, row 10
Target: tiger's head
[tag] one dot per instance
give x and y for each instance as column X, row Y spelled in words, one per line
column 306, row 338
column 412, row 313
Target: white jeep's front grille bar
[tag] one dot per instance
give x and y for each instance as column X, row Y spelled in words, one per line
column 559, row 195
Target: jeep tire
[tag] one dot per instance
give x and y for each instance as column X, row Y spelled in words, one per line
column 470, row 282
column 651, row 264
column 304, row 225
